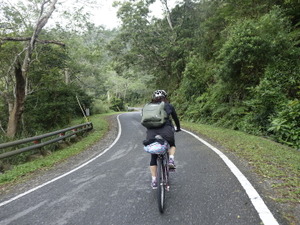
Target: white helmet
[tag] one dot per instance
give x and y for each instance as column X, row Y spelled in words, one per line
column 159, row 93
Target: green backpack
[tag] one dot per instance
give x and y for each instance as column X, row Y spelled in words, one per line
column 154, row 115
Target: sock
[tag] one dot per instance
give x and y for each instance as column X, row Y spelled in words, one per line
column 171, row 157
column 153, row 178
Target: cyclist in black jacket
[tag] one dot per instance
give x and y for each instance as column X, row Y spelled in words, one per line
column 166, row 131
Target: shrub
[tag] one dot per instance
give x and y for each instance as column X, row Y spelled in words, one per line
column 286, row 125
column 54, row 107
column 100, row 107
column 117, row 104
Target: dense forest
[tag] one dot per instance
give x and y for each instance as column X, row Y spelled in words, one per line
column 234, row 64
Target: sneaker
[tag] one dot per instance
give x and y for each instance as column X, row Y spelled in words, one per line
column 154, row 184
column 172, row 164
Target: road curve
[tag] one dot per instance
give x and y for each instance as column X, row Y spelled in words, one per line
column 114, row 188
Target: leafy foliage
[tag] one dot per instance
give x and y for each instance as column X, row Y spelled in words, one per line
column 228, row 63
column 286, row 124
column 117, row 104
column 53, row 107
column 225, row 63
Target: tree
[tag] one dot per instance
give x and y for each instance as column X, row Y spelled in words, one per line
column 21, row 66
column 158, row 47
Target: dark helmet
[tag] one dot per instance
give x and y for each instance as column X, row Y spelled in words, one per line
column 159, row 94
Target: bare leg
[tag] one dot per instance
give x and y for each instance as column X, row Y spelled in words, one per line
column 171, row 155
column 172, row 150
column 153, row 170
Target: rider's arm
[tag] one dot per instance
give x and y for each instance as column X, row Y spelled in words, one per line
column 175, row 118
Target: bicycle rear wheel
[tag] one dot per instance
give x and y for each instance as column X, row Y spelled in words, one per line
column 160, row 185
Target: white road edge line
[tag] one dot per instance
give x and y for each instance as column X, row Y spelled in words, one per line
column 264, row 213
column 63, row 175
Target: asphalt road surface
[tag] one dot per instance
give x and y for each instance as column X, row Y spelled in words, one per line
column 114, row 189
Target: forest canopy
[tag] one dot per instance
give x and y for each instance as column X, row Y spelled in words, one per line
column 226, row 63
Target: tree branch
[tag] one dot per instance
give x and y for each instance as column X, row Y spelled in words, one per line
column 2, row 128
column 29, row 38
column 51, row 42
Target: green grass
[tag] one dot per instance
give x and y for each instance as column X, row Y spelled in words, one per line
column 274, row 162
column 22, row 171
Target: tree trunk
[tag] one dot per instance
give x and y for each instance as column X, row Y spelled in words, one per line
column 22, row 72
column 67, row 76
column 18, row 106
column 168, row 13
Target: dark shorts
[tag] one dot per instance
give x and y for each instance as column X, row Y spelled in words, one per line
column 167, row 132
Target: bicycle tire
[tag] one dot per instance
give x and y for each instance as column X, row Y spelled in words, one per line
column 166, row 173
column 160, row 185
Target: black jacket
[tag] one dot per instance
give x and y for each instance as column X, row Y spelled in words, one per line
column 171, row 112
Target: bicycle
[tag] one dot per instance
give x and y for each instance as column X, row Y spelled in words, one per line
column 160, row 147
column 162, row 179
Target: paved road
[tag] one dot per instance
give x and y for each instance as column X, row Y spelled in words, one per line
column 115, row 189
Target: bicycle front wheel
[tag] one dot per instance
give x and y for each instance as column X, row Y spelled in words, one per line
column 160, row 186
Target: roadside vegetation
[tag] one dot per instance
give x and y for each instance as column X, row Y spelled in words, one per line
column 23, row 171
column 232, row 64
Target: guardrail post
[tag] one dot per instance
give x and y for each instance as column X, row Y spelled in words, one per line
column 74, row 135
column 41, row 149
column 39, row 152
column 61, row 135
column 37, row 141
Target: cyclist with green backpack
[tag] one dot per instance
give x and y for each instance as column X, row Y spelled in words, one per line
column 161, row 126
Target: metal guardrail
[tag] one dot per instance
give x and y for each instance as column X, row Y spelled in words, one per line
column 36, row 141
